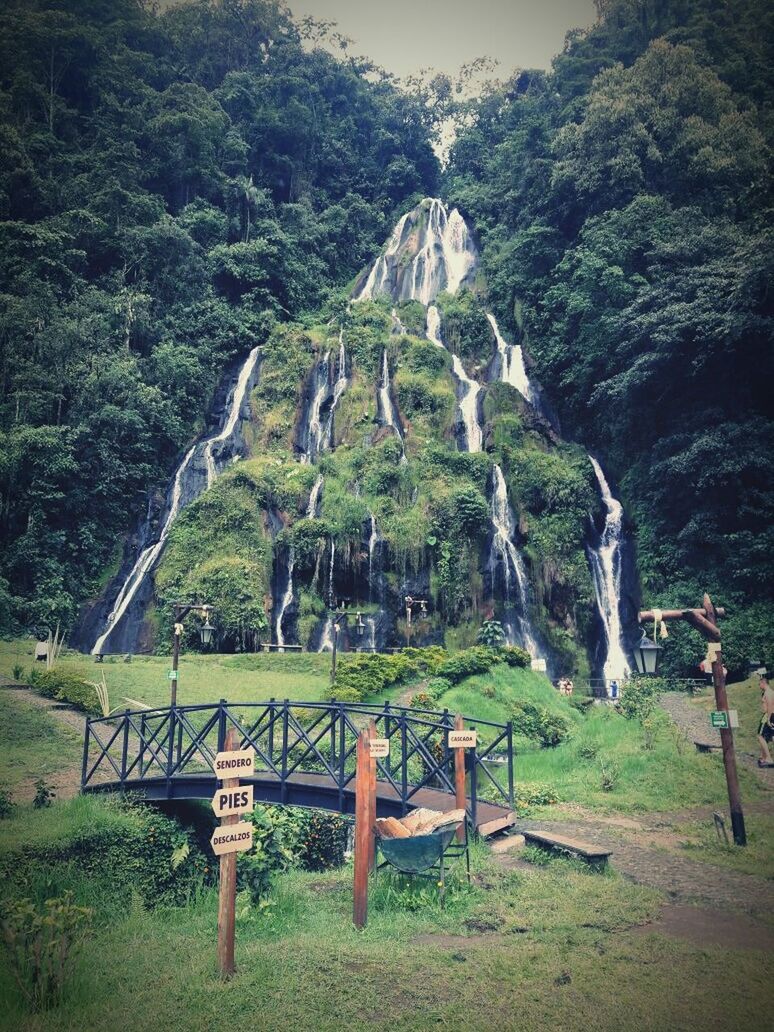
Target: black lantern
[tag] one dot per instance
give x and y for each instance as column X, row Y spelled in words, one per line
column 647, row 655
column 206, row 629
column 360, row 626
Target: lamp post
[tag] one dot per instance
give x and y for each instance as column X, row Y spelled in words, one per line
column 705, row 620
column 410, row 603
column 181, row 611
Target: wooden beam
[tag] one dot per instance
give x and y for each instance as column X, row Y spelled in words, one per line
column 675, row 614
column 372, row 801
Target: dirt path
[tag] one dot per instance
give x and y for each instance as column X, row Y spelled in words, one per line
column 694, row 724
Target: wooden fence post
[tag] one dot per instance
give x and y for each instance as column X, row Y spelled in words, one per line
column 363, row 830
column 227, row 892
column 459, row 776
column 371, row 801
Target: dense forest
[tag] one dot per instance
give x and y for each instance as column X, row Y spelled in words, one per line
column 178, row 188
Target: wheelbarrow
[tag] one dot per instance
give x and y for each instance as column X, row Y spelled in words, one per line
column 424, row 856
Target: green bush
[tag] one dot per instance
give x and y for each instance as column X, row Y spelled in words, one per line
column 276, row 833
column 137, row 848
column 66, row 687
column 477, row 660
column 323, row 840
column 41, row 946
column 371, row 673
column 516, row 657
column 438, row 686
column 491, row 633
column 639, row 697
column 537, row 723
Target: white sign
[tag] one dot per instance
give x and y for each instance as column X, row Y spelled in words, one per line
column 733, row 718
column 237, row 764
column 462, row 739
column 232, row 838
column 380, row 747
column 228, row 801
column 539, row 665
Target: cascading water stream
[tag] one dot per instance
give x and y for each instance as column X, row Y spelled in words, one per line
column 373, row 543
column 314, row 432
column 185, row 488
column 512, row 368
column 146, row 560
column 387, row 411
column 314, row 498
column 339, row 387
column 236, row 405
column 503, row 553
column 285, row 602
column 606, row 568
column 469, row 388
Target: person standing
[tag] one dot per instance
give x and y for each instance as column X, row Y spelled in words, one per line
column 766, row 726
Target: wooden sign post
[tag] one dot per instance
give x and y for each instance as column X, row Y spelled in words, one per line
column 363, row 829
column 460, row 740
column 232, row 837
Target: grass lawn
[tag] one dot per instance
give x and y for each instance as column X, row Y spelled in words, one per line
column 33, row 745
column 202, row 678
column 745, row 698
column 539, row 947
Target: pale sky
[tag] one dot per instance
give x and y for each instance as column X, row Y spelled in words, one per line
column 403, row 36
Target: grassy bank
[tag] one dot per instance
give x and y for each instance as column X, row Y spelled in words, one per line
column 202, row 678
column 536, row 948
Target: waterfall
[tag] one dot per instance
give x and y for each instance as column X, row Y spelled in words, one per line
column 387, row 411
column 378, row 277
column 605, row 562
column 314, row 431
column 338, row 389
column 504, row 553
column 331, row 590
column 368, row 641
column 314, row 498
column 186, row 486
column 373, row 541
column 147, row 558
column 512, row 368
column 444, row 259
column 397, row 325
column 469, row 388
column 287, row 600
column 237, row 397
column 326, row 638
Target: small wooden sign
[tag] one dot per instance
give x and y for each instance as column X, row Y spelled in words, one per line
column 228, row 801
column 232, row 838
column 379, row 748
column 462, row 739
column 237, row 764
column 539, row 665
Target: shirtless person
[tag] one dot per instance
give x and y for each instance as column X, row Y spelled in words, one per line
column 766, row 726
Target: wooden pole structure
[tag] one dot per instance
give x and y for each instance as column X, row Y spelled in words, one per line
column 705, row 620
column 459, row 776
column 227, row 892
column 372, row 800
column 363, row 829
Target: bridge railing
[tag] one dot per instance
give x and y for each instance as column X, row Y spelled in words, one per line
column 294, row 739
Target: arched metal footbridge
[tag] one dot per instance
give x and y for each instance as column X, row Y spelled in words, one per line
column 304, row 756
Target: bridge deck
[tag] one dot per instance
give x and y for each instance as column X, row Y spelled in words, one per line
column 311, row 790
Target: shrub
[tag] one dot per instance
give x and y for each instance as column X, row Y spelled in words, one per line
column 368, row 674
column 422, row 700
column 323, row 840
column 66, row 687
column 639, row 697
column 539, row 724
column 18, row 671
column 138, row 848
column 6, row 804
column 276, row 832
column 588, row 751
column 491, row 633
column 44, row 794
column 516, row 657
column 477, row 660
column 41, row 946
column 438, row 686
column 610, row 772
